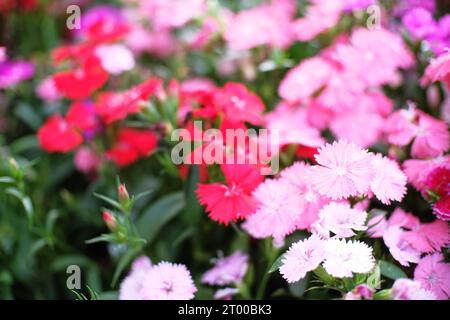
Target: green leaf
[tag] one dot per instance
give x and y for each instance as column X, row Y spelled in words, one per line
column 159, row 214
column 374, row 280
column 297, row 289
column 277, row 264
column 6, row 180
column 124, row 261
column 110, row 201
column 391, row 271
column 323, row 275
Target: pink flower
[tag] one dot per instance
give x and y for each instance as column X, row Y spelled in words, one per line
column 342, row 258
column 131, row 287
column 374, row 55
column 339, row 219
column 428, row 237
column 312, row 202
column 172, row 13
column 434, row 275
column 86, row 160
column 228, row 270
column 47, row 90
column 433, row 138
column 365, row 130
column 262, row 25
column 417, row 171
column 442, row 208
column 278, row 213
column 438, row 70
column 304, row 80
column 399, row 127
column 344, row 170
column 407, row 289
column 360, row 292
column 231, row 201
column 302, row 257
column 400, row 249
column 320, row 16
column 377, row 225
column 168, row 281
column 389, row 182
column 115, row 58
column 292, row 126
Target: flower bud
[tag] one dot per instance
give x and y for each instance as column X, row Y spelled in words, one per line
column 124, row 197
column 109, row 220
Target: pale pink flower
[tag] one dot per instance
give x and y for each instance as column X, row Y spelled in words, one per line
column 407, row 289
column 400, row 249
column 131, row 287
column 115, row 58
column 389, row 182
column 278, row 213
column 432, row 139
column 434, row 275
column 46, row 90
column 302, row 257
column 304, row 80
column 339, row 219
column 342, row 258
column 312, row 202
column 168, row 281
column 227, row 270
column 344, row 170
column 376, row 226
column 3, row 55
column 225, row 293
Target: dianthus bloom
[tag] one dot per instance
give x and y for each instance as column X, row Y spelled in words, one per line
column 400, row 249
column 407, row 289
column 438, row 70
column 132, row 144
column 58, row 135
column 13, row 72
column 312, row 202
column 115, row 58
column 168, row 281
column 344, row 170
column 302, row 257
column 278, row 210
column 339, row 219
column 131, row 287
column 231, row 201
column 389, row 182
column 227, row 270
column 434, row 275
column 342, row 258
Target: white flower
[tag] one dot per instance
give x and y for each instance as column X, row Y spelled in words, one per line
column 115, row 58
column 342, row 258
column 340, row 219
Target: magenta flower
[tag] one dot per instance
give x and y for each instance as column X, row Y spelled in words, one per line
column 13, row 72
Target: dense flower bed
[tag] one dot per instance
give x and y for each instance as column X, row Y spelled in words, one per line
column 116, row 157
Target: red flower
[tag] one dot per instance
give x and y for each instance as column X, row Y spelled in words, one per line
column 239, row 104
column 112, row 106
column 132, row 144
column 442, row 208
column 231, row 201
column 438, row 181
column 82, row 115
column 82, row 82
column 57, row 135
